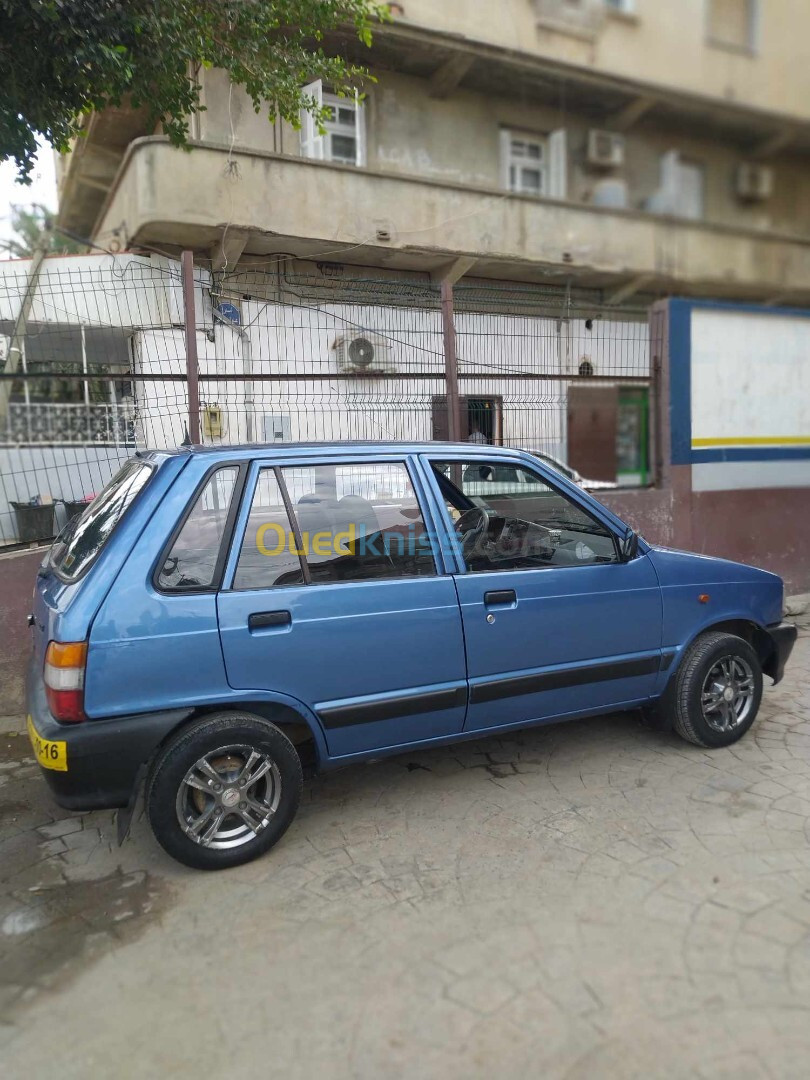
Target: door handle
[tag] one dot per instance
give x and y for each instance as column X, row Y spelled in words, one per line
column 500, row 596
column 260, row 620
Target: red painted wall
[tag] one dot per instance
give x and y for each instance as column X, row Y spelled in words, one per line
column 18, row 572
column 769, row 528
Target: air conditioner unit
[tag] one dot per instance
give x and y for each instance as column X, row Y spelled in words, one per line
column 363, row 353
column 605, row 149
column 754, row 181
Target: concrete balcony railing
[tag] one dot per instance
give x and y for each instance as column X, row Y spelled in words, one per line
column 292, row 205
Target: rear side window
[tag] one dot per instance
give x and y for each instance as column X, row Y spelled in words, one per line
column 269, row 554
column 355, row 522
column 82, row 541
column 192, row 561
column 359, row 522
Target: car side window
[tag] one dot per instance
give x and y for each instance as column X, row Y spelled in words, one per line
column 192, row 561
column 269, row 553
column 508, row 518
column 359, row 522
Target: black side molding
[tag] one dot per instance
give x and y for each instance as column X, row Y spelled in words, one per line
column 514, row 686
column 389, row 708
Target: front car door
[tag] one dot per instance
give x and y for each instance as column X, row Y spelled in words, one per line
column 336, row 596
column 555, row 623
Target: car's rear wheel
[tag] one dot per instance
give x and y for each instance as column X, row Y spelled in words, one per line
column 223, row 791
column 717, row 690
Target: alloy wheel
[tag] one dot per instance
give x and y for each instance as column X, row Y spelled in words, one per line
column 728, row 693
column 228, row 797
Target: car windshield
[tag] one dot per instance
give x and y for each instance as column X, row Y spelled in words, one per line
column 83, row 538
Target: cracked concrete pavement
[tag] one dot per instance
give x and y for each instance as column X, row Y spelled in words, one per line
column 588, row 899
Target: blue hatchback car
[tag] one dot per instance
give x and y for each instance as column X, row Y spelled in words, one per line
column 218, row 620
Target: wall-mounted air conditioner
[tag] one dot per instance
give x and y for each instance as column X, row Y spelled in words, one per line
column 363, row 353
column 605, row 149
column 754, row 181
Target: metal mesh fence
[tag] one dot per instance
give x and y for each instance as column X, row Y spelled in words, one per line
column 97, row 369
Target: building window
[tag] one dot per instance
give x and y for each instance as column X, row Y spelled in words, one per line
column 732, row 24
column 622, row 7
column 341, row 130
column 534, row 164
column 528, row 165
column 344, row 139
column 682, row 190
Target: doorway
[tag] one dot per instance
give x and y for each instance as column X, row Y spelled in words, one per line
column 481, row 419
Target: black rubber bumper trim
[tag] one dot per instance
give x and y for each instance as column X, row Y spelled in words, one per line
column 390, row 708
column 783, row 637
column 103, row 756
column 515, row 686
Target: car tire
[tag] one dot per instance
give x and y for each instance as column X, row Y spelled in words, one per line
column 204, row 805
column 716, row 693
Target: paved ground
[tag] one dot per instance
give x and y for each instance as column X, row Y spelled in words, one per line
column 589, row 900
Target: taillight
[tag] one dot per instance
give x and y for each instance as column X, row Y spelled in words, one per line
column 64, row 680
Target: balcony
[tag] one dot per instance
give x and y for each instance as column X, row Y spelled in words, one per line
column 60, row 424
column 315, row 210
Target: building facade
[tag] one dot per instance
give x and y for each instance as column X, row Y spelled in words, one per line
column 629, row 146
column 565, row 165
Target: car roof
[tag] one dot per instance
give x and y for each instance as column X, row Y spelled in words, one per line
column 341, row 449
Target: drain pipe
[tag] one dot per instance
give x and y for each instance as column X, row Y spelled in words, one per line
column 247, row 372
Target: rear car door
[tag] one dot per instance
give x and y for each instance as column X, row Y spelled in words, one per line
column 335, row 596
column 554, row 622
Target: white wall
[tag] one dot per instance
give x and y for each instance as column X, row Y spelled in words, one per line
column 287, row 339
column 750, row 390
column 63, row 472
column 102, row 290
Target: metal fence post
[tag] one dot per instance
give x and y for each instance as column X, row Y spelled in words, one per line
column 192, row 368
column 450, row 364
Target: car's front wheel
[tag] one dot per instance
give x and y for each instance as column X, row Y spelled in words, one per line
column 717, row 690
column 223, row 790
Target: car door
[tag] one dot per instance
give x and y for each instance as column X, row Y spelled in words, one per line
column 335, row 596
column 555, row 623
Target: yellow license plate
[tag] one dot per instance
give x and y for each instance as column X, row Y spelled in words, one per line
column 50, row 754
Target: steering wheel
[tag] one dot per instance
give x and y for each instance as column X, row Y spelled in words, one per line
column 471, row 521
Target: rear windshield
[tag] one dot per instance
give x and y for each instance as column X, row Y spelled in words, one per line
column 83, row 538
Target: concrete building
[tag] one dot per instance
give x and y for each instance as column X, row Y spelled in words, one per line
column 593, row 156
column 629, row 146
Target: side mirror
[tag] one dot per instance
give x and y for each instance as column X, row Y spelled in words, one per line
column 628, row 546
